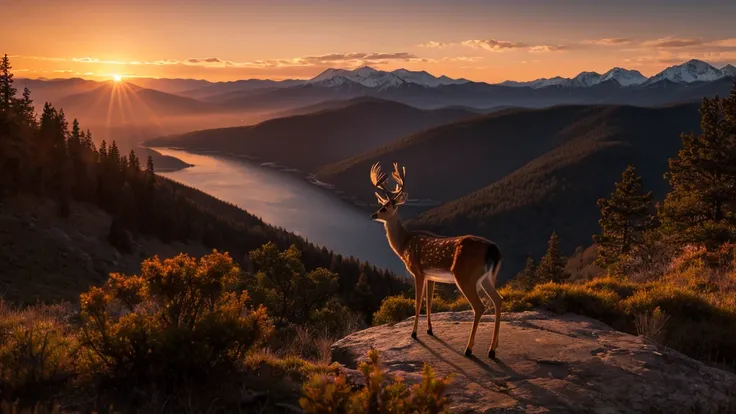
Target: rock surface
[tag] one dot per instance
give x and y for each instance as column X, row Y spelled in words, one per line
column 545, row 363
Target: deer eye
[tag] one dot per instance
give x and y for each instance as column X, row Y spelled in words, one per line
column 383, row 209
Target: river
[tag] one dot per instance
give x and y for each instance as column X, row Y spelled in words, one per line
column 287, row 200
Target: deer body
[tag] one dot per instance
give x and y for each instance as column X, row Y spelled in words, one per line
column 470, row 262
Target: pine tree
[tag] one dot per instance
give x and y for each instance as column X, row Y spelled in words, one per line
column 527, row 278
column 134, row 164
column 88, row 143
column 552, row 266
column 150, row 174
column 624, row 219
column 25, row 110
column 114, row 157
column 7, row 91
column 701, row 208
column 102, row 153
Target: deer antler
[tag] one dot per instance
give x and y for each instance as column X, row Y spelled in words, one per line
column 398, row 176
column 379, row 178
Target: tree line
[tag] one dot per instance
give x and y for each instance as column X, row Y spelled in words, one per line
column 44, row 156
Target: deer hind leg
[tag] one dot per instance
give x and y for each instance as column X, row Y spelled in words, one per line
column 470, row 290
column 496, row 299
column 419, row 287
column 430, row 294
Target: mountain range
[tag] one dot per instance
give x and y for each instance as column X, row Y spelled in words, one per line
column 691, row 71
column 240, row 100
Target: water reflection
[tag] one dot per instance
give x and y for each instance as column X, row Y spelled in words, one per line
column 288, row 201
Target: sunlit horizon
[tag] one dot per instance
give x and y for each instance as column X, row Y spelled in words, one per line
column 489, row 41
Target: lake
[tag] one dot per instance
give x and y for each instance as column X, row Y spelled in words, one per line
column 289, row 201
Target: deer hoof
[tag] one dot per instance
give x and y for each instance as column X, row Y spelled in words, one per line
column 492, row 354
column 414, row 335
column 468, row 352
column 429, row 332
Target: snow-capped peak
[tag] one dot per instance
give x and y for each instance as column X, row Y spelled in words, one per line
column 691, row 71
column 365, row 76
column 373, row 78
column 585, row 79
column 729, row 70
column 624, row 77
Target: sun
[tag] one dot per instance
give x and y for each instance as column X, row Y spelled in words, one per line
column 117, row 78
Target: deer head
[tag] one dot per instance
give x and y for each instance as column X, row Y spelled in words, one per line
column 389, row 200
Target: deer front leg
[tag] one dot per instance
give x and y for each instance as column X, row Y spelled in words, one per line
column 430, row 294
column 419, row 288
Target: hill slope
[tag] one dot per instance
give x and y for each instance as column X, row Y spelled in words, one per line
column 517, row 175
column 311, row 140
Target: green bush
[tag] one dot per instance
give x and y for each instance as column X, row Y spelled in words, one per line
column 178, row 322
column 394, row 309
column 333, row 394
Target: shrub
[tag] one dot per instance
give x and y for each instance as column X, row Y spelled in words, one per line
column 333, row 394
column 179, row 321
column 394, row 309
column 581, row 299
column 37, row 350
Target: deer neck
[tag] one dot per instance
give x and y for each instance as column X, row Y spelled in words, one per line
column 396, row 234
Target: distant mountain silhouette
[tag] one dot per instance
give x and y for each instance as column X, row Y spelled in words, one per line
column 309, row 141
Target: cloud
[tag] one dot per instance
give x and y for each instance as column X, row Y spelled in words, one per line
column 493, row 45
column 547, row 48
column 205, row 60
column 725, row 43
column 672, row 42
column 435, row 45
column 609, row 41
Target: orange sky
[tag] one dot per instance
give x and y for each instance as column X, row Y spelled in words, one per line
column 480, row 40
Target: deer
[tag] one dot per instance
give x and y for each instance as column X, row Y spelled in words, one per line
column 470, row 262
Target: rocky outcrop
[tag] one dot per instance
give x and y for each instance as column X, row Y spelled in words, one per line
column 545, row 363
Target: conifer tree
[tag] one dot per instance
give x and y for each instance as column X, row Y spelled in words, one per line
column 114, row 157
column 24, row 108
column 88, row 143
column 134, row 164
column 552, row 266
column 527, row 278
column 701, row 208
column 7, row 91
column 102, row 153
column 625, row 217
column 150, row 174
column 75, row 136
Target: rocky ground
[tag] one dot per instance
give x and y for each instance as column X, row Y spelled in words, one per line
column 546, row 363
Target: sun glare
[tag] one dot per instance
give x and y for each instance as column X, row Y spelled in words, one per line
column 117, row 78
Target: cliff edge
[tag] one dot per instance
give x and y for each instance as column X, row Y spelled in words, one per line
column 545, row 363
